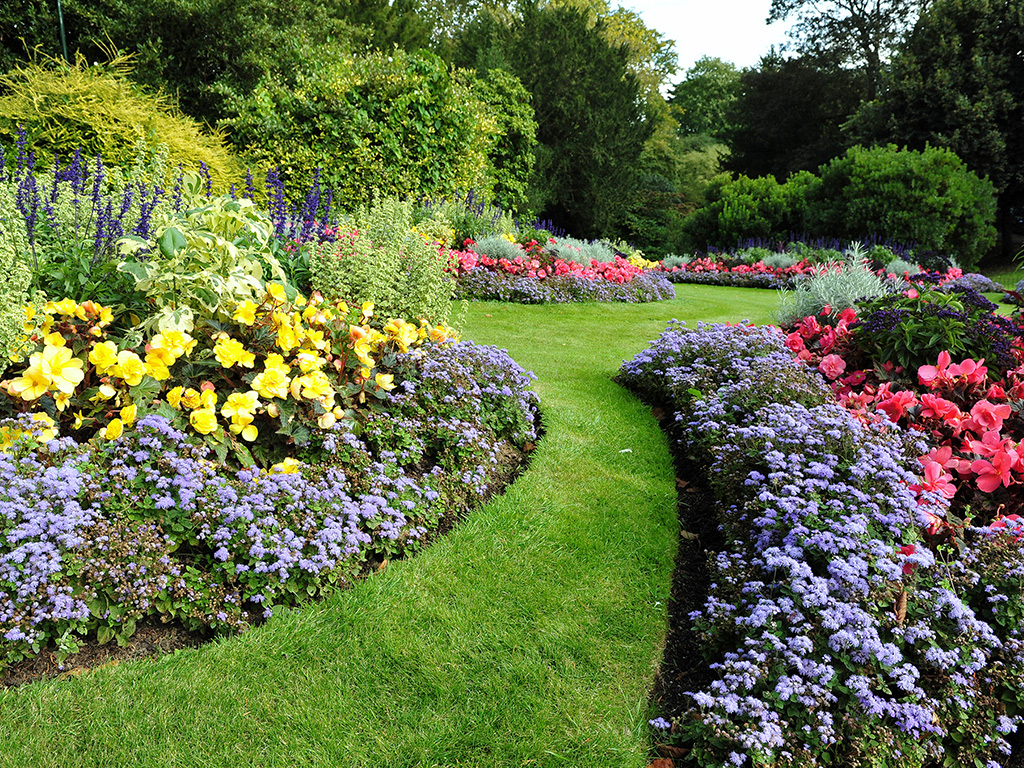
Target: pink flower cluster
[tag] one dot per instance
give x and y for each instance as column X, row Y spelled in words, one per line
column 709, row 264
column 537, row 263
column 969, row 419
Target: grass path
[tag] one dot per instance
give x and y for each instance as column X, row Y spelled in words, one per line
column 527, row 637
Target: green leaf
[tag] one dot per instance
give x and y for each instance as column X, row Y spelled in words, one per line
column 104, row 634
column 171, row 241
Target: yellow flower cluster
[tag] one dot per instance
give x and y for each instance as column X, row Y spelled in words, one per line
column 638, row 260
column 320, row 359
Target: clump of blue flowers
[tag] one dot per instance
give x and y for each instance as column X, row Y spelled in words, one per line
column 836, row 634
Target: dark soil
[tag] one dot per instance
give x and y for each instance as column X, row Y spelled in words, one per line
column 153, row 638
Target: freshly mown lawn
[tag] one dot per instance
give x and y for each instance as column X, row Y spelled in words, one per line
column 527, row 637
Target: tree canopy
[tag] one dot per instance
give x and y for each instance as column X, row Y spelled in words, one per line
column 861, row 33
column 959, row 83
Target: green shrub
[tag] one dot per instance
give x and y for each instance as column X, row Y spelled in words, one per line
column 672, row 260
column 745, row 208
column 15, row 276
column 899, row 267
column 837, row 288
column 395, row 124
column 511, row 154
column 96, row 108
column 201, row 263
column 581, row 251
column 929, row 198
column 384, row 259
column 498, row 247
column 779, row 260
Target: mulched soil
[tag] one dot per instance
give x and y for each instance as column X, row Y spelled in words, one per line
column 153, row 639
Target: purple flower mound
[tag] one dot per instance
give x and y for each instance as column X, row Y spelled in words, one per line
column 736, row 279
column 834, row 634
column 484, row 285
column 94, row 537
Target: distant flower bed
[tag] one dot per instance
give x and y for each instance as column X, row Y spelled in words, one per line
column 536, row 275
column 865, row 607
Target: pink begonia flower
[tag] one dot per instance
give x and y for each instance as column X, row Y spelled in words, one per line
column 986, row 416
column 809, row 327
column 896, row 406
column 927, row 374
column 991, row 443
column 992, row 474
column 828, row 340
column 936, row 480
column 973, row 372
column 935, row 407
column 911, row 293
column 996, row 392
column 932, row 523
column 1010, row 523
column 794, row 342
column 832, row 366
column 856, row 378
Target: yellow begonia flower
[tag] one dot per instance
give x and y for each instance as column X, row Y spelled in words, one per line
column 404, row 334
column 79, row 420
column 203, row 420
column 240, row 404
column 190, row 398
column 104, row 356
column 286, row 338
column 288, row 466
column 309, row 361
column 49, row 430
column 326, row 420
column 157, row 369
column 114, row 429
column 34, row 382
column 104, row 392
column 363, row 352
column 277, row 293
column 439, row 333
column 245, row 313
column 247, row 431
column 273, row 382
column 311, row 386
column 65, row 307
column 177, row 342
column 367, row 311
column 174, row 398
column 129, row 367
column 62, row 400
column 385, row 381
column 315, row 338
column 208, row 399
column 65, row 369
column 230, row 352
column 54, row 339
column 128, row 414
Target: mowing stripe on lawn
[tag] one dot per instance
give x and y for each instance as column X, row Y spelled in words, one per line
column 527, row 637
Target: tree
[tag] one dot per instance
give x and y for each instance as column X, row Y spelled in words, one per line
column 590, row 116
column 861, row 33
column 789, row 114
column 959, row 83
column 699, row 102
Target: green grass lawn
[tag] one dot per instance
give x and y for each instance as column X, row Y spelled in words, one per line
column 527, row 637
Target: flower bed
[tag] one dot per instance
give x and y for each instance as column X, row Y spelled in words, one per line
column 842, row 625
column 537, row 276
column 211, row 482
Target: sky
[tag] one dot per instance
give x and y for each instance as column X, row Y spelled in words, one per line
column 732, row 30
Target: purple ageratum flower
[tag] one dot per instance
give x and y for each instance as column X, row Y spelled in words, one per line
column 814, row 506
